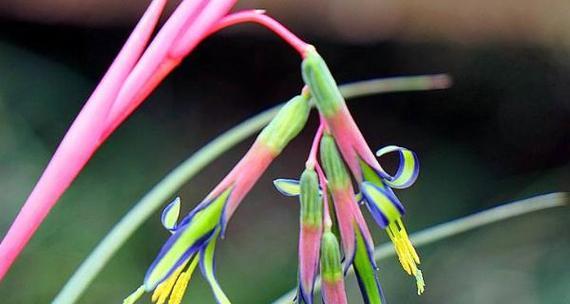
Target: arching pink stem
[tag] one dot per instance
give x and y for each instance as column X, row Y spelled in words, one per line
column 80, row 142
column 258, row 16
column 149, row 77
column 194, row 17
column 129, row 80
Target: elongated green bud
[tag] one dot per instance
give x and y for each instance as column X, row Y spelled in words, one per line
column 287, row 124
column 331, row 267
column 311, row 202
column 321, row 83
column 333, row 164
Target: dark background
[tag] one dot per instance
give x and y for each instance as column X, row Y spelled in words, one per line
column 501, row 133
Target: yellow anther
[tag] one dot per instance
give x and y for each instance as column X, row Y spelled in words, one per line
column 182, row 283
column 179, row 289
column 133, row 297
column 406, row 252
column 162, row 291
column 175, row 285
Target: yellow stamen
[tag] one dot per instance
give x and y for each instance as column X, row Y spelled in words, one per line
column 162, row 291
column 406, row 252
column 133, row 297
column 181, row 284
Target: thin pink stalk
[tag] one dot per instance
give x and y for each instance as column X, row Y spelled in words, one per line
column 79, row 143
column 312, row 161
column 324, row 189
column 187, row 39
column 258, row 16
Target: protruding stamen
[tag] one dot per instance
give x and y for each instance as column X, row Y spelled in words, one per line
column 406, row 252
column 175, row 285
column 135, row 296
column 182, row 283
column 163, row 290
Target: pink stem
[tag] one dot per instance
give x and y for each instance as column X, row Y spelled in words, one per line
column 79, row 143
column 324, row 189
column 187, row 41
column 312, row 159
column 157, row 60
column 313, row 162
column 258, row 16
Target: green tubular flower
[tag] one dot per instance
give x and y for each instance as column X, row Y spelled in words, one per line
column 311, row 201
column 311, row 230
column 331, row 271
column 323, row 86
column 356, row 239
column 286, row 124
column 338, row 177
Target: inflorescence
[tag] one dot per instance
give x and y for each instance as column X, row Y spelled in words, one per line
column 341, row 171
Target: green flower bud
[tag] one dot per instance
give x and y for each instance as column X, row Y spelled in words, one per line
column 333, row 164
column 287, row 124
column 331, row 267
column 321, row 83
column 311, row 202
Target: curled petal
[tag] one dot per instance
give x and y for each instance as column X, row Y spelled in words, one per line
column 208, row 268
column 287, row 187
column 408, row 169
column 382, row 203
column 170, row 214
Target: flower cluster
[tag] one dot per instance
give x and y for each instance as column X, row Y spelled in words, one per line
column 375, row 184
column 333, row 232
column 346, row 158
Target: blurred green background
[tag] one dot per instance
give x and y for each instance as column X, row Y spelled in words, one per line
column 501, row 133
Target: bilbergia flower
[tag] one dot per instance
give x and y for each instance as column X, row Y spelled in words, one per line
column 194, row 238
column 375, row 184
column 332, row 274
column 311, row 230
column 357, row 242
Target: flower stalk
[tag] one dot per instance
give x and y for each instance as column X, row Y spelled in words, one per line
column 132, row 77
